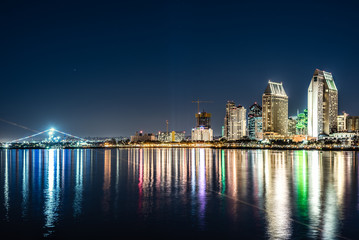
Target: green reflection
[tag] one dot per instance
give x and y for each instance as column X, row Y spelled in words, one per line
column 302, row 183
column 223, row 173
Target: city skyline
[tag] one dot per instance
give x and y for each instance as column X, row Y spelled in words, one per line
column 273, row 89
column 99, row 74
column 169, row 119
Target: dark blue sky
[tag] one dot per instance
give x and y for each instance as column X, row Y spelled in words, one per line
column 111, row 68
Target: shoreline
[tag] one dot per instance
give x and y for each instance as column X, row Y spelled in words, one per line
column 201, row 145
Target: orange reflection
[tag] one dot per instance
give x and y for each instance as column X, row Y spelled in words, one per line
column 106, row 181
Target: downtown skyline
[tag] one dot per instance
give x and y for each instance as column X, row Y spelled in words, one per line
column 111, row 74
column 179, row 119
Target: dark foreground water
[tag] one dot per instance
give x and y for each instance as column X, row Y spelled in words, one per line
column 173, row 193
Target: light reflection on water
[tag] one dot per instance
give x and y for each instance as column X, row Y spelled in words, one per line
column 51, row 190
column 258, row 193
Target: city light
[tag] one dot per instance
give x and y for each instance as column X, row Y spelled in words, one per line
column 268, row 126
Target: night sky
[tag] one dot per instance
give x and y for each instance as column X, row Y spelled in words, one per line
column 111, row 68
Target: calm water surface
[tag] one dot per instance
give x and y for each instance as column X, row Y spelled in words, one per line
column 179, row 193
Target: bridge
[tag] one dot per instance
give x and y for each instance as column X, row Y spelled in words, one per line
column 50, row 133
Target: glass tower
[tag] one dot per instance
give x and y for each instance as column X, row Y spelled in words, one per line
column 255, row 122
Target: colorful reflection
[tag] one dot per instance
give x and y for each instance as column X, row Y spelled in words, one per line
column 39, row 182
column 281, row 191
column 289, row 187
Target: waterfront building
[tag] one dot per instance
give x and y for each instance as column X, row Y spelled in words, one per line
column 292, row 125
column 342, row 122
column 352, row 123
column 171, row 136
column 202, row 134
column 255, row 130
column 275, row 109
column 274, row 136
column 234, row 122
column 342, row 135
column 203, row 130
column 142, row 137
column 322, row 104
column 346, row 138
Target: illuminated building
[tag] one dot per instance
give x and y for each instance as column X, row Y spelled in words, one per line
column 171, row 136
column 202, row 134
column 141, row 137
column 342, row 122
column 322, row 104
column 292, row 123
column 255, row 130
column 275, row 109
column 202, row 131
column 302, row 123
column 234, row 121
column 352, row 123
column 342, row 135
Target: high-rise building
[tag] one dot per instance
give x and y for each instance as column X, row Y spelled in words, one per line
column 353, row 123
column 202, row 131
column 322, row 104
column 292, row 123
column 227, row 118
column 234, row 122
column 275, row 109
column 203, row 119
column 255, row 130
column 342, row 122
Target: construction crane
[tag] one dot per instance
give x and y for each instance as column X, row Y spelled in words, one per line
column 198, row 101
column 167, row 126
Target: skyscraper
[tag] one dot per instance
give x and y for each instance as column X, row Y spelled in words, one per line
column 292, row 123
column 255, row 130
column 353, row 123
column 322, row 104
column 275, row 109
column 234, row 121
column 342, row 122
